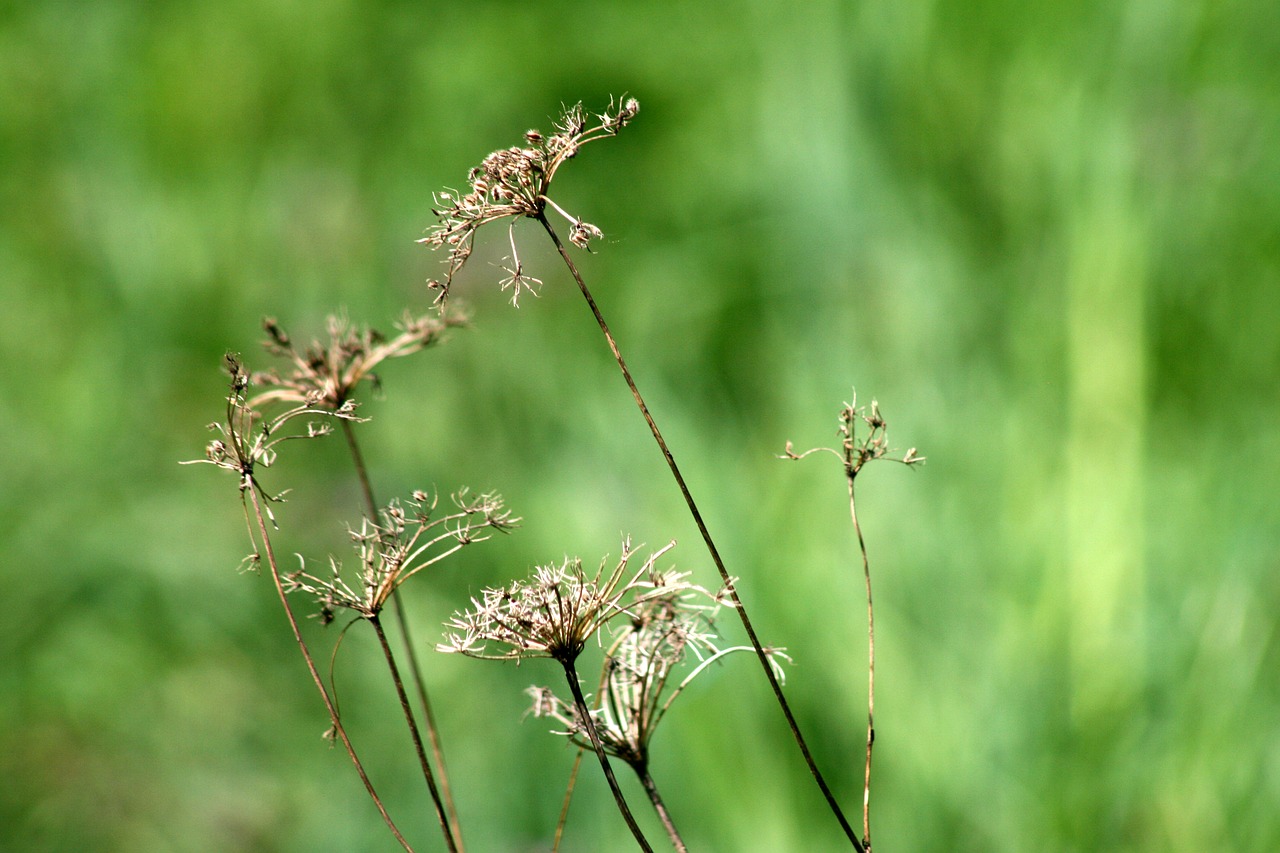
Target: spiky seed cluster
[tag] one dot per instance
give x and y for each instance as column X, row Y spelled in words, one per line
column 514, row 183
column 408, row 538
column 874, row 444
column 636, row 683
column 249, row 439
column 326, row 374
column 856, row 451
column 555, row 612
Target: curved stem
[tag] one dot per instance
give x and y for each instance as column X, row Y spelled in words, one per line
column 338, row 728
column 571, row 674
column 706, row 537
column 871, row 669
column 415, row 669
column 413, row 731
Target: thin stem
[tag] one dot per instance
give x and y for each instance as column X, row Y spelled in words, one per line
column 706, row 537
column 659, row 806
column 415, row 669
column 433, row 731
column 871, row 669
column 362, row 472
column 584, row 712
column 338, row 728
column 413, row 731
column 568, row 798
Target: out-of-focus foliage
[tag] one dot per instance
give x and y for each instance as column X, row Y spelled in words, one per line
column 1045, row 236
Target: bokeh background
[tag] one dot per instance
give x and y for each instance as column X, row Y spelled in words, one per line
column 1043, row 235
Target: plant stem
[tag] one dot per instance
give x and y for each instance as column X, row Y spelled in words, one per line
column 415, row 669
column 338, row 728
column 659, row 806
column 706, row 537
column 871, row 666
column 571, row 674
column 568, row 797
column 417, row 737
column 362, row 472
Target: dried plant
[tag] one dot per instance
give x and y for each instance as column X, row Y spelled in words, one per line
column 555, row 614
column 856, row 450
column 649, row 648
column 393, row 544
column 327, row 374
column 515, row 183
column 407, row 539
column 655, row 628
column 248, row 443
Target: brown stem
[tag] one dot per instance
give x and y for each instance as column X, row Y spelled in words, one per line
column 871, row 668
column 706, row 537
column 659, row 806
column 415, row 669
column 584, row 712
column 568, row 798
column 362, row 473
column 413, row 731
column 338, row 728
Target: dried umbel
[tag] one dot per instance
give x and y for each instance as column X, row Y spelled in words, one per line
column 409, row 536
column 668, row 636
column 326, row 374
column 557, row 611
column 857, row 450
column 405, row 538
column 250, row 438
column 514, row 183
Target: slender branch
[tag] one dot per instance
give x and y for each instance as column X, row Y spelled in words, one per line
column 362, row 472
column 660, row 807
column 761, row 654
column 433, row 731
column 580, row 702
column 338, row 728
column 417, row 737
column 415, row 669
column 568, row 798
column 871, row 667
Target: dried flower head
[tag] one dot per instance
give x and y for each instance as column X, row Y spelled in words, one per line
column 555, row 612
column 514, row 183
column 408, row 537
column 856, row 451
column 249, row 438
column 326, row 374
column 637, row 685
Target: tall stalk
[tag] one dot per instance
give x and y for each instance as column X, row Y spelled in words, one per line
column 335, row 720
column 761, row 654
column 412, row 723
column 453, row 832
column 871, row 665
column 856, row 451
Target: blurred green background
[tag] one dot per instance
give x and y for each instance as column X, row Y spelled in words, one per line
column 1045, row 236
